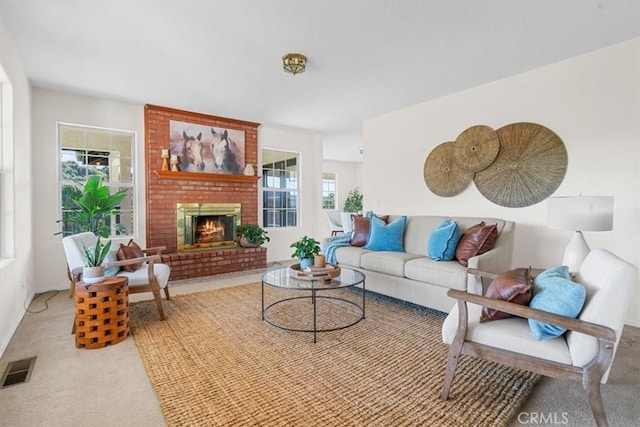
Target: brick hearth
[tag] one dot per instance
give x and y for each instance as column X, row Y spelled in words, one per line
column 165, row 189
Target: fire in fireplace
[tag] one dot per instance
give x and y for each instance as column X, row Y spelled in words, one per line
column 207, row 225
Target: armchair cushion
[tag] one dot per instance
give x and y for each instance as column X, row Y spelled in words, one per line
column 130, row 251
column 513, row 286
column 554, row 292
column 141, row 275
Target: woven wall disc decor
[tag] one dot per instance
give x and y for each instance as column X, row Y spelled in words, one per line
column 530, row 165
column 476, row 148
column 442, row 175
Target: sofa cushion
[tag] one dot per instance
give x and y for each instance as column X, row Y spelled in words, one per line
column 554, row 292
column 513, row 286
column 349, row 255
column 447, row 274
column 386, row 262
column 476, row 240
column 130, row 251
column 386, row 237
column 361, row 226
column 444, row 240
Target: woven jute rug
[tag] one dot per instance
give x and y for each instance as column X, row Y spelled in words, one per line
column 214, row 361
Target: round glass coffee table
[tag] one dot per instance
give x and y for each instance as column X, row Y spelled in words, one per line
column 316, row 289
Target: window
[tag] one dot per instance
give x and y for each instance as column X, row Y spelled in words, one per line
column 329, row 191
column 280, row 188
column 107, row 153
column 7, row 202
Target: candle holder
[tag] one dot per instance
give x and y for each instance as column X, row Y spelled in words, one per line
column 165, row 162
column 174, row 163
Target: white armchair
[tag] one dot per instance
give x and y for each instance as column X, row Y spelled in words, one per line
column 151, row 276
column 335, row 225
column 584, row 354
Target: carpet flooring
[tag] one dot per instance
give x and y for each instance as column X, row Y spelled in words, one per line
column 214, row 361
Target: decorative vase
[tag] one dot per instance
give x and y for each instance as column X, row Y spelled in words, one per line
column 305, row 262
column 93, row 275
column 247, row 244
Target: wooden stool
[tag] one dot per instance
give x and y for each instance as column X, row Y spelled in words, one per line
column 102, row 312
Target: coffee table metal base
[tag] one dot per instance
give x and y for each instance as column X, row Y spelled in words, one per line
column 314, row 297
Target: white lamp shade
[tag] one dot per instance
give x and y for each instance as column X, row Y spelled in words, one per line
column 581, row 213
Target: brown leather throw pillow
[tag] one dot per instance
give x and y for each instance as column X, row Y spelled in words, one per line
column 361, row 227
column 514, row 286
column 476, row 240
column 130, row 251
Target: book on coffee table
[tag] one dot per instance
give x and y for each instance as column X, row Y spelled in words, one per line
column 319, row 270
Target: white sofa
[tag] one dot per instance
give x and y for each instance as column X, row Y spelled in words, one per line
column 412, row 276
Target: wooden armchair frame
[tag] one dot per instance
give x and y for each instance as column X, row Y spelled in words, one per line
column 590, row 375
column 152, row 255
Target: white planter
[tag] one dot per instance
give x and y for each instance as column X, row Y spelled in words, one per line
column 92, row 275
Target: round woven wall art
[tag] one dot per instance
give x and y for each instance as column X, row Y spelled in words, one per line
column 476, row 148
column 530, row 165
column 442, row 175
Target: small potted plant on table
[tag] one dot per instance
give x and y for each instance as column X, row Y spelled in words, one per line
column 93, row 271
column 305, row 249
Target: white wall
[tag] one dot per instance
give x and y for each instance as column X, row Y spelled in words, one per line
column 309, row 145
column 16, row 272
column 49, row 108
column 591, row 101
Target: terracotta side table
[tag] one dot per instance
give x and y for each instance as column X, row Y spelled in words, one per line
column 102, row 312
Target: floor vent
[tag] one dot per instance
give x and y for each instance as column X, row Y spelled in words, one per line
column 18, row 371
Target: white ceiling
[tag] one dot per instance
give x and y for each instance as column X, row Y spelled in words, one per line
column 364, row 57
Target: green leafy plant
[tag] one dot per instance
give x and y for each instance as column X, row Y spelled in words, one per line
column 95, row 257
column 353, row 202
column 253, row 233
column 306, row 247
column 95, row 206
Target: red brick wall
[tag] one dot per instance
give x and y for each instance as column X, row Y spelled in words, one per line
column 164, row 192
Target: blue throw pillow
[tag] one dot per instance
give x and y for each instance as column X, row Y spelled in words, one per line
column 112, row 256
column 386, row 237
column 444, row 240
column 554, row 292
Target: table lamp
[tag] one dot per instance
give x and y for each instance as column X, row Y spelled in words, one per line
column 579, row 213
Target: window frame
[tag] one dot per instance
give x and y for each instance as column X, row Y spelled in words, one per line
column 335, row 190
column 131, row 227
column 7, row 168
column 287, row 195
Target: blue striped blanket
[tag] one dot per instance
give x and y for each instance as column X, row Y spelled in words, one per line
column 330, row 247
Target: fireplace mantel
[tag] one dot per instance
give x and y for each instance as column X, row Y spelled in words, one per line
column 206, row 176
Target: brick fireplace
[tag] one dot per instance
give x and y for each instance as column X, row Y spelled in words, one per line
column 166, row 190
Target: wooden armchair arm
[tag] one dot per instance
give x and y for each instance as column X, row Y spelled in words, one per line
column 149, row 259
column 577, row 325
column 156, row 250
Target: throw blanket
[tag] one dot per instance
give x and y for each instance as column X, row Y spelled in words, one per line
column 329, row 249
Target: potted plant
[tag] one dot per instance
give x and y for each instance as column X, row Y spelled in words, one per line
column 93, row 271
column 305, row 249
column 353, row 202
column 95, row 206
column 352, row 205
column 251, row 235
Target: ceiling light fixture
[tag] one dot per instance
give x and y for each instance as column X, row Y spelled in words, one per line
column 294, row 63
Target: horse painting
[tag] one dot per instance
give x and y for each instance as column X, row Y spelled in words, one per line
column 206, row 149
column 226, row 154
